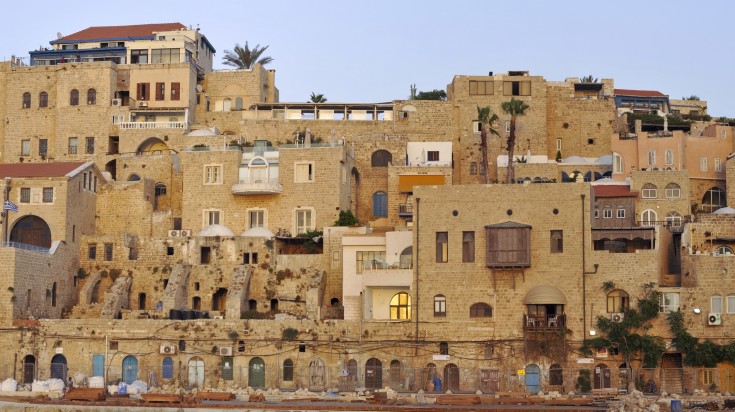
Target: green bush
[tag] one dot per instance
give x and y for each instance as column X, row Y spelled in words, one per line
column 346, row 218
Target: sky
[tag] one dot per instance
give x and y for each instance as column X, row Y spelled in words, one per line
column 372, row 51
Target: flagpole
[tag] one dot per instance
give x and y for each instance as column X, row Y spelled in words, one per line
column 6, row 213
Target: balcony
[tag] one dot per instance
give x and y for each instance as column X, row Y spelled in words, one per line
column 152, row 125
column 257, row 187
column 405, row 210
column 537, row 322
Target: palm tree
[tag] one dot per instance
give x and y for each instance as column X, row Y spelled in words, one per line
column 589, row 79
column 317, row 98
column 486, row 119
column 246, row 58
column 514, row 108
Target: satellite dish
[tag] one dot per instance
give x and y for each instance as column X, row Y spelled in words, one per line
column 59, row 35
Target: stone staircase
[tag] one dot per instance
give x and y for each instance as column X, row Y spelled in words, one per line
column 237, row 294
column 116, row 298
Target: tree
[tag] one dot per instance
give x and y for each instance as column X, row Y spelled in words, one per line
column 486, row 118
column 246, row 58
column 435, row 94
column 589, row 79
column 692, row 97
column 317, row 98
column 514, row 108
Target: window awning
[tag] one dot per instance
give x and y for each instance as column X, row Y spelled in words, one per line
column 544, row 295
column 407, row 182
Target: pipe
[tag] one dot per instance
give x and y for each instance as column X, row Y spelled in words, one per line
column 416, row 222
column 584, row 280
column 104, row 371
column 362, row 315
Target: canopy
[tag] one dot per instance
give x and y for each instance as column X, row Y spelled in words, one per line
column 544, row 295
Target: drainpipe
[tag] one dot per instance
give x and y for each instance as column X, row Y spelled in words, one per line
column 416, row 222
column 362, row 315
column 104, row 371
column 584, row 277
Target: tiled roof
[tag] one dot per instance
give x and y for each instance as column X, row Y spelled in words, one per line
column 38, row 169
column 613, row 191
column 639, row 93
column 120, row 32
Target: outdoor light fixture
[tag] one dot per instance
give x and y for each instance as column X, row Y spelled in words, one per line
column 593, row 332
column 697, row 310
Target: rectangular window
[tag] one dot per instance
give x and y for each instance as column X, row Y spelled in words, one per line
column 162, row 56
column 557, row 241
column 108, row 252
column 175, row 91
column 432, row 156
column 669, row 302
column 607, row 213
column 160, row 91
column 25, row 148
column 304, row 221
column 517, row 88
column 442, row 247
column 304, row 172
column 205, row 255
column 507, row 126
column 42, row 147
column 139, row 56
column 48, row 195
column 718, row 165
column 468, row 247
column 597, row 214
column 144, row 91
column 731, row 304
column 211, row 217
column 652, row 158
column 716, row 304
column 25, row 195
column 89, row 147
column 72, row 145
column 440, row 306
column 482, row 87
column 227, row 368
column 370, row 260
column 92, row 252
column 703, row 164
column 256, row 218
column 212, row 174
column 708, row 377
column 558, row 145
column 508, row 245
column 669, row 157
column 621, row 213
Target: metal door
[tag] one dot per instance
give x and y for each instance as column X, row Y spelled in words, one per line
column 58, row 367
column 196, row 372
column 602, row 376
column 130, row 369
column 29, row 369
column 533, row 375
column 374, row 374
column 256, row 373
column 98, row 365
column 451, row 377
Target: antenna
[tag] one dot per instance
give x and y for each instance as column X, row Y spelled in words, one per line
column 59, row 35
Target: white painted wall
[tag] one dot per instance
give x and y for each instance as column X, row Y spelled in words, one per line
column 417, row 153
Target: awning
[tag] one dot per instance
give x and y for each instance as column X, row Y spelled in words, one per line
column 407, row 182
column 544, row 295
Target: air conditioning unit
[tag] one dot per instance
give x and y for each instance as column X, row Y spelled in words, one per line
column 168, row 349
column 714, row 319
column 185, row 233
column 617, row 317
column 225, row 351
column 218, row 317
column 142, row 104
column 174, row 233
column 117, row 102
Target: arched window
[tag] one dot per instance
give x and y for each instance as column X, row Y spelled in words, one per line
column 713, row 199
column 381, row 158
column 26, row 100
column 473, row 168
column 723, row 251
column 440, row 306
column 288, row 370
column 380, row 204
column 133, row 178
column 617, row 301
column 226, row 104
column 167, row 368
column 481, row 310
column 673, row 219
column 649, row 191
column 74, row 98
column 238, row 103
column 91, row 96
column 649, row 217
column 42, row 99
column 672, row 191
column 617, row 163
column 406, row 258
column 400, row 306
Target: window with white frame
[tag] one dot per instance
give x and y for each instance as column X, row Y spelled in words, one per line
column 304, row 220
column 212, row 174
column 668, row 302
column 507, row 126
column 730, row 303
column 673, row 219
column 621, row 213
column 649, row 217
column 476, row 127
column 304, row 172
column 669, row 157
column 25, row 147
column 715, row 304
column 607, row 213
column 652, row 158
column 558, row 145
column 724, row 251
column 649, row 191
column 211, row 217
column 617, row 163
column 703, row 164
column 718, row 164
column 256, row 218
column 672, row 191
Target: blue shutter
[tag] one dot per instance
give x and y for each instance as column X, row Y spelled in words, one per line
column 380, row 204
column 167, row 369
column 98, row 365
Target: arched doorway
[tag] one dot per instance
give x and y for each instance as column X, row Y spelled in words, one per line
column 602, row 376
column 31, row 230
column 29, row 369
column 196, row 372
column 256, row 373
column 352, row 374
column 533, row 375
column 395, row 374
column 219, row 299
column 58, row 367
column 111, row 168
column 129, row 369
column 451, row 377
column 373, row 374
column 317, row 374
column 196, row 303
column 152, row 145
column 141, row 301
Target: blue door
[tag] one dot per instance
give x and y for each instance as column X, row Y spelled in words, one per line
column 98, row 365
column 380, row 204
column 130, row 369
column 533, row 373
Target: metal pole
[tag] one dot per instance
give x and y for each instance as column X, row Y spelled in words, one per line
column 416, row 221
column 6, row 213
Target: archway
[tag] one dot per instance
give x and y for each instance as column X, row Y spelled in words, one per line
column 29, row 369
column 219, row 299
column 152, row 145
column 451, row 377
column 58, row 367
column 602, row 376
column 196, row 372
column 141, row 301
column 533, row 374
column 111, row 168
column 373, row 374
column 31, row 230
column 256, row 373
column 196, row 303
column 134, row 178
column 395, row 374
column 317, row 374
column 129, row 369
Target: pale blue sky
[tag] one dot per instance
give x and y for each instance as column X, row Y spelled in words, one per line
column 372, row 51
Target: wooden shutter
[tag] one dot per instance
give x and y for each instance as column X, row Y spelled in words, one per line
column 175, row 91
column 160, row 91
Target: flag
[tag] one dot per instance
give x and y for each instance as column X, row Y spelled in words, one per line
column 10, row 206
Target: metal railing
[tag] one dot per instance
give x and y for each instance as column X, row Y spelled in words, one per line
column 18, row 245
column 152, row 125
column 544, row 321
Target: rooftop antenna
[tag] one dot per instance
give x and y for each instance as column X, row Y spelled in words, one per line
column 59, row 35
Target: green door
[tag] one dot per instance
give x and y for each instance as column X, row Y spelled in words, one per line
column 256, row 373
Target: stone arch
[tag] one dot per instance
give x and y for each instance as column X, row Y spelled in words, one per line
column 31, row 230
column 133, row 177
column 381, row 158
column 111, row 168
column 152, row 145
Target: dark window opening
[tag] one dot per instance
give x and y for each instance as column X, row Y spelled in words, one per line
column 557, row 241
column 252, row 304
column 108, row 251
column 141, row 301
column 443, row 348
column 205, row 255
column 170, row 251
column 92, row 254
column 274, row 305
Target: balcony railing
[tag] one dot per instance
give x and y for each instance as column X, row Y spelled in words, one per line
column 544, row 321
column 405, row 210
column 152, row 125
column 257, row 187
column 383, row 265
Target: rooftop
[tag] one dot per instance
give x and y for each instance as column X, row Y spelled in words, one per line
column 119, row 32
column 38, row 169
column 639, row 93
